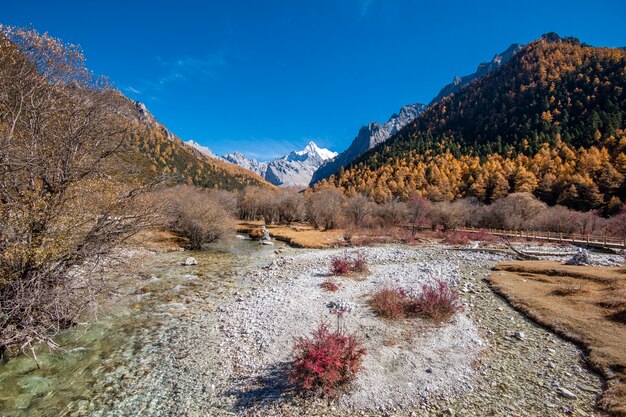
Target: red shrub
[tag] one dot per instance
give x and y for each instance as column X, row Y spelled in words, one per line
column 341, row 264
column 437, row 302
column 344, row 264
column 483, row 237
column 389, row 303
column 457, row 238
column 325, row 361
column 329, row 286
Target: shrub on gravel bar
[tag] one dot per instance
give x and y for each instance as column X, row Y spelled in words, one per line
column 389, row 303
column 344, row 264
column 437, row 302
column 329, row 286
column 341, row 264
column 325, row 361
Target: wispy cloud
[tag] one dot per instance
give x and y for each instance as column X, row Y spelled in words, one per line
column 185, row 69
column 133, row 90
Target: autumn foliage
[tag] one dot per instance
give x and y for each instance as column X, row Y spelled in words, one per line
column 325, row 361
column 550, row 122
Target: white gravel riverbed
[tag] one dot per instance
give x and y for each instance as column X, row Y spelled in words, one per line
column 229, row 357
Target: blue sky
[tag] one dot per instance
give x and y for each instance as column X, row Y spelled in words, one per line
column 266, row 77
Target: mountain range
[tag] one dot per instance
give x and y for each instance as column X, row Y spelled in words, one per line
column 292, row 170
column 550, row 121
column 152, row 150
column 374, row 133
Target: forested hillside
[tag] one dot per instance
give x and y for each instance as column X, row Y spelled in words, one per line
column 550, row 121
column 151, row 150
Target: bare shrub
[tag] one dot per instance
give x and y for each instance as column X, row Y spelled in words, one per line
column 448, row 215
column 418, row 212
column 392, row 214
column 389, row 303
column 324, row 207
column 225, row 199
column 456, row 238
column 359, row 263
column 197, row 215
column 557, row 219
column 61, row 213
column 290, row 206
column 514, row 212
column 249, row 203
column 616, row 225
column 437, row 302
column 345, row 264
column 341, row 264
column 356, row 208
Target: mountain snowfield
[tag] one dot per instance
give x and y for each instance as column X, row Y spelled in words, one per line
column 292, row 170
column 203, row 149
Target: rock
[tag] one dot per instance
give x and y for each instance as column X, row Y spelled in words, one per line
column 519, row 335
column 240, row 237
column 580, row 258
column 565, row 393
column 190, row 261
column 267, row 242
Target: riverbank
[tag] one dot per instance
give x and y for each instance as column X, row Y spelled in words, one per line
column 585, row 304
column 298, row 236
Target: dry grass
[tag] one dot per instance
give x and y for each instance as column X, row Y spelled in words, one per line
column 569, row 289
column 582, row 303
column 300, row 236
column 159, row 240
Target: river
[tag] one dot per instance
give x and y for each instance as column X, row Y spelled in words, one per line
column 91, row 372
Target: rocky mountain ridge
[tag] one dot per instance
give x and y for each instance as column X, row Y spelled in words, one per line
column 292, row 170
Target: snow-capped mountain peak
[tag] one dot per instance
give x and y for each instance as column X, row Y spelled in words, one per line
column 294, row 169
column 313, row 149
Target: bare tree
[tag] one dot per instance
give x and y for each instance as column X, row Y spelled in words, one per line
column 418, row 212
column 392, row 214
column 514, row 212
column 60, row 211
column 290, row 205
column 197, row 214
column 324, row 207
column 356, row 208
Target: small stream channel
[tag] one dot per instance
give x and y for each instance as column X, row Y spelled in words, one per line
column 86, row 375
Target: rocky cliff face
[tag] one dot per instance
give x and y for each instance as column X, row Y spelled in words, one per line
column 292, row 170
column 482, row 70
column 368, row 137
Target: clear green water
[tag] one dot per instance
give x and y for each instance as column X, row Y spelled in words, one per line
column 69, row 379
